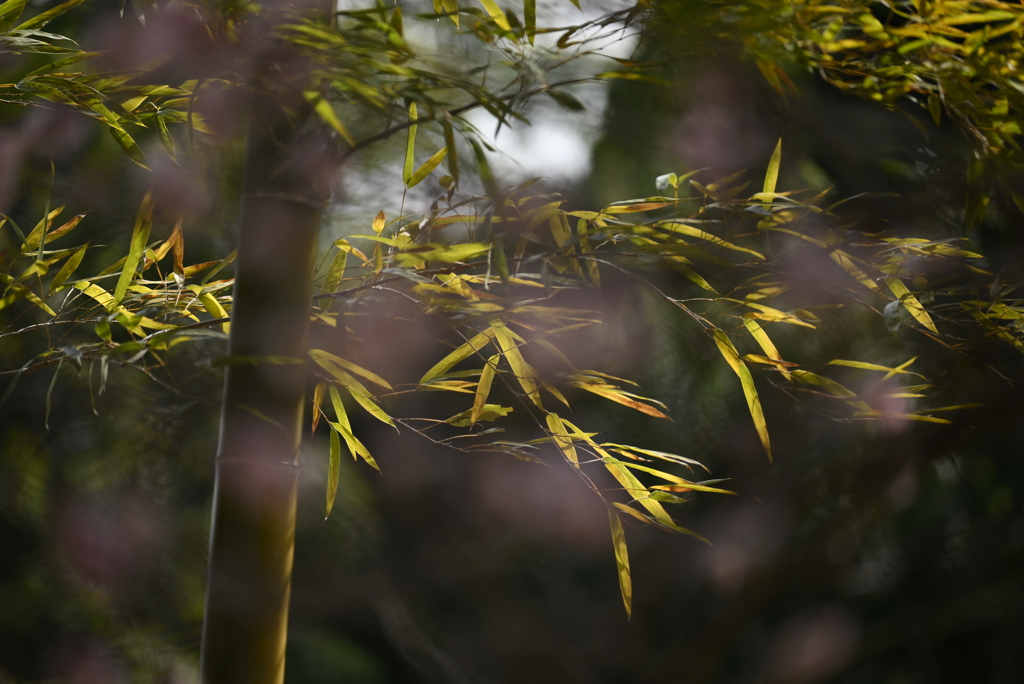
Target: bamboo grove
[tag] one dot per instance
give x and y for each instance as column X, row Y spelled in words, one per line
column 498, row 270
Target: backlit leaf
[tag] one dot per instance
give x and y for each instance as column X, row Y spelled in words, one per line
column 732, row 357
column 472, row 346
column 622, row 561
column 333, row 469
column 140, row 235
column 483, row 388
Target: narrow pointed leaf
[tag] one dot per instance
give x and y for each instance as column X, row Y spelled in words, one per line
column 140, row 235
column 426, row 167
column 914, row 306
column 333, row 469
column 410, row 146
column 483, row 388
column 622, row 561
column 732, row 357
column 472, row 346
column 771, row 177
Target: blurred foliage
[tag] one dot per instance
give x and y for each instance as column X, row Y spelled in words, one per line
column 862, row 534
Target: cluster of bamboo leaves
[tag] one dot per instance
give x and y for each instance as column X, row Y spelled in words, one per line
column 499, row 290
column 958, row 57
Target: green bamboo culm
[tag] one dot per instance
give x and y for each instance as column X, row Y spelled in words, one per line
column 252, row 539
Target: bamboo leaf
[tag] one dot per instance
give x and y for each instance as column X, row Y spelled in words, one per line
column 497, row 15
column 129, row 145
column 622, row 561
column 874, row 367
column 771, row 176
column 483, row 388
column 911, row 302
column 530, row 18
column 470, row 347
column 44, row 18
column 410, row 146
column 426, row 167
column 333, row 469
column 326, row 358
column 68, row 268
column 524, row 373
column 344, row 428
column 830, row 386
column 318, row 400
column 762, row 339
column 732, row 357
column 562, row 439
column 140, row 235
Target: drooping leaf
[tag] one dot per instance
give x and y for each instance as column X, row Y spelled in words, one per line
column 562, row 439
column 483, row 388
column 622, row 561
column 732, row 357
column 524, row 373
column 333, row 469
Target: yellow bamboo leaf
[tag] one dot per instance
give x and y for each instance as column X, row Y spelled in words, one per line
column 758, row 333
column 318, row 400
column 524, row 373
column 732, row 357
column 483, row 388
column 771, row 176
column 325, row 358
column 562, row 439
column 911, row 302
column 471, row 346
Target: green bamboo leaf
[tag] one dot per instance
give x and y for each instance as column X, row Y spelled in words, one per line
column 410, row 146
column 9, row 13
column 39, row 231
column 44, row 18
column 771, row 176
column 530, row 17
column 622, row 561
column 472, row 346
column 140, row 235
column 832, row 387
column 165, row 136
column 68, row 268
column 49, row 394
column 426, row 167
column 129, row 145
column 732, row 357
column 483, row 388
column 16, row 291
column 336, row 272
column 453, row 155
column 344, row 428
column 333, row 469
column 326, row 112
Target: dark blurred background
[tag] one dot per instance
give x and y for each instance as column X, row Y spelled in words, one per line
column 886, row 552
